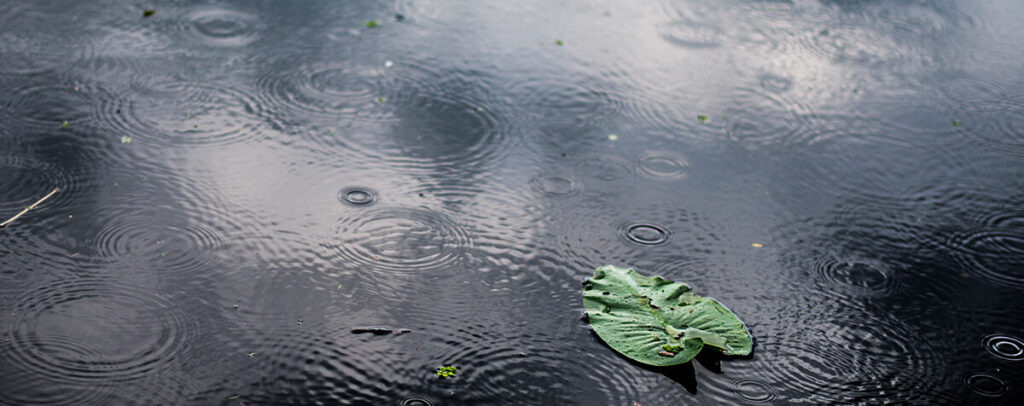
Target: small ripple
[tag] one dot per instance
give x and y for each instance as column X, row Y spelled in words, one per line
column 661, row 165
column 555, row 185
column 767, row 118
column 407, row 240
column 1004, row 347
column 565, row 113
column 688, row 32
column 331, row 93
column 754, row 391
column 987, row 385
column 26, row 180
column 418, row 117
column 27, row 54
column 65, row 332
column 415, row 402
column 862, row 358
column 644, row 234
column 221, row 27
column 603, row 167
column 499, row 361
column 33, row 41
column 186, row 248
column 184, row 113
column 889, row 35
column 1003, row 130
column 993, row 249
column 46, row 105
column 358, row 196
column 857, row 276
column 775, row 83
column 697, row 26
column 971, row 93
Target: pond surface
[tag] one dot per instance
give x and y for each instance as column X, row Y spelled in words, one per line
column 243, row 183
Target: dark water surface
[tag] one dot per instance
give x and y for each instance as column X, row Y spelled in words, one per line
column 242, row 183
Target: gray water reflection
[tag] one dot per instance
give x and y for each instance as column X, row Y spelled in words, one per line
column 242, row 183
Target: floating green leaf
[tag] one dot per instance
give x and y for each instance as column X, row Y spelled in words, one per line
column 702, row 118
column 559, row 43
column 656, row 321
column 956, row 123
column 148, row 13
column 64, row 125
column 371, row 24
column 447, row 371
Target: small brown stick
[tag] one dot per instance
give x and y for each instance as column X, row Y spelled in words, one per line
column 16, row 216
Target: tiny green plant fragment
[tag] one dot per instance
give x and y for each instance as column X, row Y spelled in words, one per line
column 126, row 140
column 371, row 24
column 64, row 125
column 234, row 397
column 148, row 13
column 658, row 322
column 702, row 118
column 956, row 123
column 380, row 100
column 559, row 42
column 447, row 371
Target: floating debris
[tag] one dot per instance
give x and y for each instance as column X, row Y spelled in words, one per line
column 29, row 208
column 379, row 330
column 757, row 245
column 559, row 42
column 399, row 17
column 147, row 13
column 126, row 140
column 702, row 118
column 371, row 24
column 64, row 125
column 388, row 64
column 446, row 371
column 613, row 137
column 955, row 123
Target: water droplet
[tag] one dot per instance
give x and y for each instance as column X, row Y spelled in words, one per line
column 754, row 391
column 645, row 234
column 987, row 385
column 660, row 165
column 555, row 185
column 416, row 402
column 358, row 196
column 1004, row 347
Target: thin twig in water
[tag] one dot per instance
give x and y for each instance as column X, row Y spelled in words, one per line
column 9, row 221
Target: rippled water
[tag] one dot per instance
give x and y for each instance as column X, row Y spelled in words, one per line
column 243, row 183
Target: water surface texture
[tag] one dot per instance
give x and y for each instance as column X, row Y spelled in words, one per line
column 242, row 183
